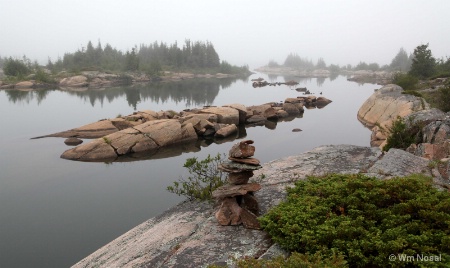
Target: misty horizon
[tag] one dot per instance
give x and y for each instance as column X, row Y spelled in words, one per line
column 243, row 33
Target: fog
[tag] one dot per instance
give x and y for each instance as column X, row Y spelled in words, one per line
column 242, row 32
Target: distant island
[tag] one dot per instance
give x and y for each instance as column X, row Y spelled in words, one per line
column 106, row 66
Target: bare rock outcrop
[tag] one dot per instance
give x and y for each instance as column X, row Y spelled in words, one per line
column 74, row 81
column 142, row 138
column 139, row 132
column 188, row 235
column 384, row 106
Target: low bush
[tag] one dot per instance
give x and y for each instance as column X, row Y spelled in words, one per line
column 205, row 178
column 364, row 219
column 401, row 135
column 406, row 81
column 444, row 98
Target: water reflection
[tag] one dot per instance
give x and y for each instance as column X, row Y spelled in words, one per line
column 193, row 92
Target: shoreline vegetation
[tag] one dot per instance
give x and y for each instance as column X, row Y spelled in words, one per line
column 104, row 67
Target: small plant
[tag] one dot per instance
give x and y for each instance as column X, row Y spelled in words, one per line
column 406, row 81
column 402, row 136
column 106, row 140
column 205, row 178
column 364, row 219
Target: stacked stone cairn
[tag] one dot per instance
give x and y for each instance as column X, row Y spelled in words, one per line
column 238, row 204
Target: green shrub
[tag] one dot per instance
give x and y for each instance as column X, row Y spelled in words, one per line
column 444, row 98
column 15, row 67
column 43, row 77
column 206, row 177
column 406, row 81
column 364, row 218
column 401, row 136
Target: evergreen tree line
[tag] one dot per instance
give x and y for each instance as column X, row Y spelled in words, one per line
column 151, row 59
column 402, row 62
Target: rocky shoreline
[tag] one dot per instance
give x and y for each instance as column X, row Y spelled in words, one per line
column 188, row 234
column 360, row 76
column 95, row 80
column 147, row 132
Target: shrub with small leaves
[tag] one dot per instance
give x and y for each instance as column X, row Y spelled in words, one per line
column 401, row 135
column 206, row 177
column 364, row 219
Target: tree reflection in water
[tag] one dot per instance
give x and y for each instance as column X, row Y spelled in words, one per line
column 194, row 92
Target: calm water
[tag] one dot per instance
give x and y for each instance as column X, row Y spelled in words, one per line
column 54, row 212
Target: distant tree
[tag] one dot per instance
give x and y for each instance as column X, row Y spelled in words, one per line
column 362, row 66
column 443, row 67
column 334, row 68
column 321, row 64
column 15, row 67
column 295, row 61
column 401, row 62
column 273, row 63
column 131, row 60
column 423, row 63
column 373, row 66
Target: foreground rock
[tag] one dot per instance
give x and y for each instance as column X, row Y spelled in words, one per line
column 384, row 106
column 189, row 235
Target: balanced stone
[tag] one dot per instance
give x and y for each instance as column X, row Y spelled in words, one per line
column 250, row 160
column 242, row 149
column 240, row 178
column 235, row 190
column 234, row 167
column 229, row 212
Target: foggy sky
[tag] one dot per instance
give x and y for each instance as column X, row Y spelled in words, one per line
column 242, row 31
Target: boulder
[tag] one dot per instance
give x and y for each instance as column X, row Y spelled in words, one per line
column 74, row 81
column 226, row 131
column 383, row 106
column 291, row 108
column 430, row 151
column 145, row 137
column 256, row 119
column 225, row 115
column 124, row 141
column 270, row 113
column 436, row 132
column 24, row 85
column 166, row 131
column 322, row 102
column 96, row 150
column 73, row 141
column 294, row 100
column 397, row 162
column 241, row 109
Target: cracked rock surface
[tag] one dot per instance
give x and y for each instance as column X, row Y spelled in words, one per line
column 188, row 235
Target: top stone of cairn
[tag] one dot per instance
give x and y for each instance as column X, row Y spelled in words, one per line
column 244, row 149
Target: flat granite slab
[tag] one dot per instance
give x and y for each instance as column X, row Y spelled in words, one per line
column 188, row 234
